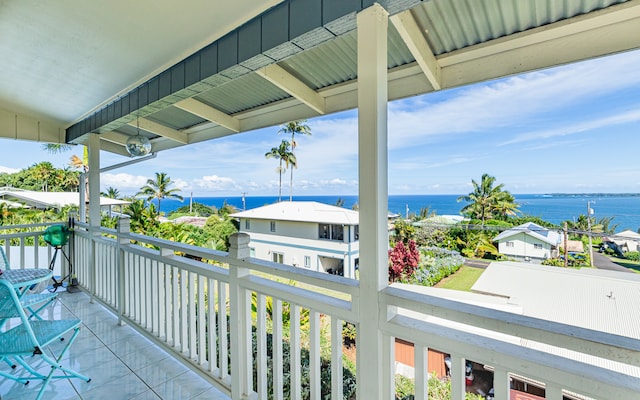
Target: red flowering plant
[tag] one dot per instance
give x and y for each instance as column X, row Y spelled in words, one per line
column 403, row 261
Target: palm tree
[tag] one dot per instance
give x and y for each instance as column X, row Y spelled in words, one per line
column 283, row 154
column 159, row 189
column 111, row 193
column 55, row 148
column 487, row 199
column 294, row 128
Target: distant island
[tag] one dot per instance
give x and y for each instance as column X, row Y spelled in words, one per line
column 592, row 194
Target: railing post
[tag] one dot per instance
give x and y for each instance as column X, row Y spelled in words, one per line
column 240, row 320
column 92, row 262
column 122, row 241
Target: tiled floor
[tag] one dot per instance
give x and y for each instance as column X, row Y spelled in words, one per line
column 121, row 363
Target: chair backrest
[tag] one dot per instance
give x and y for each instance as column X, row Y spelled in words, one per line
column 9, row 302
column 4, row 263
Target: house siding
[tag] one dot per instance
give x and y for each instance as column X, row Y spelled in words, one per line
column 524, row 248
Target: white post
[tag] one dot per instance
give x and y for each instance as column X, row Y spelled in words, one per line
column 94, row 202
column 94, row 179
column 123, row 229
column 240, row 320
column 372, row 165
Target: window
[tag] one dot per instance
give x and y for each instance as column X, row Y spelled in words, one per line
column 331, row 232
column 307, row 261
column 273, row 226
column 277, row 257
column 247, row 224
column 337, row 232
column 356, row 232
column 252, row 251
column 324, row 231
column 509, row 244
column 537, row 246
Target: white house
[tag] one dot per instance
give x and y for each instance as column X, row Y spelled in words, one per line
column 627, row 240
column 529, row 242
column 304, row 234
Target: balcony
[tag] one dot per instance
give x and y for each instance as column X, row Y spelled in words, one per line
column 160, row 318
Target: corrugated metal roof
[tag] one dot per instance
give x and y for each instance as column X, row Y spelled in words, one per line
column 456, row 24
column 604, row 301
column 232, row 97
column 302, row 211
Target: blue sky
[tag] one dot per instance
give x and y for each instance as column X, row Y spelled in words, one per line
column 571, row 129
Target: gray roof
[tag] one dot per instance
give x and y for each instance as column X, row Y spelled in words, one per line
column 534, row 230
column 302, row 211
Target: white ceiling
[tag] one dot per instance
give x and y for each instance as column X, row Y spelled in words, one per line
column 61, row 59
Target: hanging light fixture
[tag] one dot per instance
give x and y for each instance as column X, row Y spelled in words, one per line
column 138, row 145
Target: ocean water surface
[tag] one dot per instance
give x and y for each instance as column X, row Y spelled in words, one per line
column 624, row 208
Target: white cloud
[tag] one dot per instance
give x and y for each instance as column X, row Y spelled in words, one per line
column 124, row 182
column 579, row 127
column 215, row 183
column 8, row 170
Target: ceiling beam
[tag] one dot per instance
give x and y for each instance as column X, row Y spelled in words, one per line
column 113, row 147
column 115, row 137
column 160, row 130
column 412, row 36
column 294, row 86
column 207, row 112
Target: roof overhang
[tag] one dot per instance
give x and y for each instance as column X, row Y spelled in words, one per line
column 297, row 60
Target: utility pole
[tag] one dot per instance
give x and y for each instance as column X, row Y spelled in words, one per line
column 589, row 212
column 566, row 245
column 244, row 201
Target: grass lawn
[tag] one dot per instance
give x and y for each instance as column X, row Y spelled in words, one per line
column 632, row 265
column 461, row 280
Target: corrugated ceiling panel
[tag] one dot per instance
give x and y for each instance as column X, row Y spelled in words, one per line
column 232, row 97
column 175, row 118
column 455, row 24
column 336, row 61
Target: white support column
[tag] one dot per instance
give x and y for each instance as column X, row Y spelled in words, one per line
column 94, row 179
column 501, row 384
column 124, row 228
column 372, row 165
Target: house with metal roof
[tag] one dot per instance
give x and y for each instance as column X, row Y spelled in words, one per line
column 529, row 242
column 306, row 234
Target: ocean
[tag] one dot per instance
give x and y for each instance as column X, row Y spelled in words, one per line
column 555, row 208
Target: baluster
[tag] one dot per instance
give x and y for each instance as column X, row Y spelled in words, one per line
column 314, row 354
column 336, row 359
column 261, row 345
column 294, row 352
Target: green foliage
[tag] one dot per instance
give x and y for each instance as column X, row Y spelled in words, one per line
column 436, row 264
column 42, row 176
column 159, row 189
column 487, row 201
column 403, row 230
column 199, row 209
column 632, row 255
column 439, row 389
column 348, row 371
column 349, row 333
column 523, row 219
column 220, row 230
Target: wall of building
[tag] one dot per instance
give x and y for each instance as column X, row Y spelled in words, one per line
column 524, row 248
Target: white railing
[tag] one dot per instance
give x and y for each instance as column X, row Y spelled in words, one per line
column 18, row 241
column 226, row 321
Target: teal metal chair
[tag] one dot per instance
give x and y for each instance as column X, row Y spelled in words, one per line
column 32, row 302
column 29, row 340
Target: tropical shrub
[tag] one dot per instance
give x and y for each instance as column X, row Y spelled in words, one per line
column 439, row 389
column 632, row 255
column 403, row 261
column 436, row 264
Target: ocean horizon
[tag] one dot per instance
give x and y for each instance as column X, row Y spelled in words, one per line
column 624, row 208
